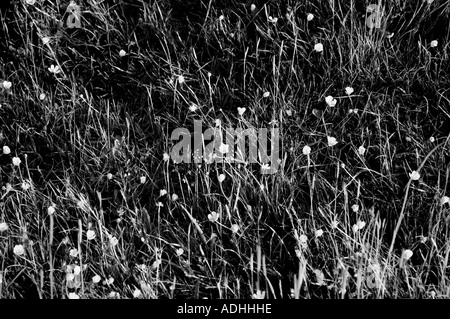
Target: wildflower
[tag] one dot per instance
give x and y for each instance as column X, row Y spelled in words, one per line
column 137, row 293
column 193, row 107
column 45, row 40
column 30, row 2
column 143, row 179
column 221, row 178
column 331, row 141
column 303, row 239
column 273, row 20
column 181, row 79
column 166, row 157
column 241, row 110
column 42, row 96
column 110, row 281
column 445, row 200
column 266, row 94
column 414, row 175
column 51, row 210
column 73, row 252
column 355, row 228
column 113, row 241
column 174, row 197
column 355, row 208
column 6, row 150
column 318, row 47
column 18, row 250
column 114, row 295
column 159, row 204
column 361, row 150
column 213, row 217
column 310, row 16
column 306, row 150
column 432, row 139
column 252, row 7
column 289, row 112
column 90, row 234
column 180, row 251
column 25, row 185
column 3, row 226
column 162, row 192
column 109, row 176
column 331, row 101
column 72, row 295
column 122, row 53
column 96, row 279
column 349, row 90
column 224, row 148
column 54, row 69
column 334, row 224
column 218, row 122
column 318, row 233
column 221, row 17
column 434, row 43
column 76, row 270
column 234, row 228
column 259, row 294
column 7, row 85
column 407, row 254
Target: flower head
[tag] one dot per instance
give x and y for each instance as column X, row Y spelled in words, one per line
column 221, row 178
column 54, row 69
column 310, row 16
column 318, row 233
column 6, row 85
column 414, row 175
column 234, row 228
column 241, row 110
column 445, row 200
column 266, row 94
column 6, row 150
column 180, row 251
column 73, row 295
column 407, row 254
column 122, row 53
column 306, row 150
column 96, row 279
column 18, row 250
column 318, row 47
column 331, row 101
column 3, row 226
column 213, row 217
column 331, row 141
column 434, row 43
column 349, row 90
column 361, row 150
column 90, row 234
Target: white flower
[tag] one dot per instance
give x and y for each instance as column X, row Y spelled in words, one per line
column 272, row 20
column 162, row 192
column 174, row 197
column 355, row 208
column 166, row 157
column 137, row 293
column 434, row 43
column 159, row 204
column 45, row 40
column 76, row 270
column 445, row 200
column 331, row 101
column 414, row 175
column 221, row 178
column 310, row 16
column 193, row 107
column 266, row 94
column 331, row 141
column 361, row 150
column 113, row 241
column 72, row 295
column 6, row 150
column 224, row 148
column 42, row 96
column 54, row 69
column 213, row 217
column 303, row 239
column 96, row 279
column 30, row 2
column 252, row 7
column 355, row 228
column 25, row 185
column 7, row 85
column 334, row 224
column 122, row 53
column 73, row 252
column 234, row 228
column 318, row 233
column 51, row 210
column 181, row 79
column 432, row 139
column 18, row 250
column 90, row 234
column 306, row 150
column 218, row 122
column 3, row 226
column 349, row 90
column 143, row 179
column 360, row 224
column 221, row 17
column 407, row 254
column 109, row 176
column 180, row 251
column 241, row 110
column 259, row 294
column 318, row 47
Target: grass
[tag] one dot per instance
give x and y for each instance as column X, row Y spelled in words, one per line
column 95, row 210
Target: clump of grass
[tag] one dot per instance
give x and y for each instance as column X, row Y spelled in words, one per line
column 92, row 206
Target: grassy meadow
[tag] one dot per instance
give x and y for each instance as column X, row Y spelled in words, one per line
column 93, row 206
